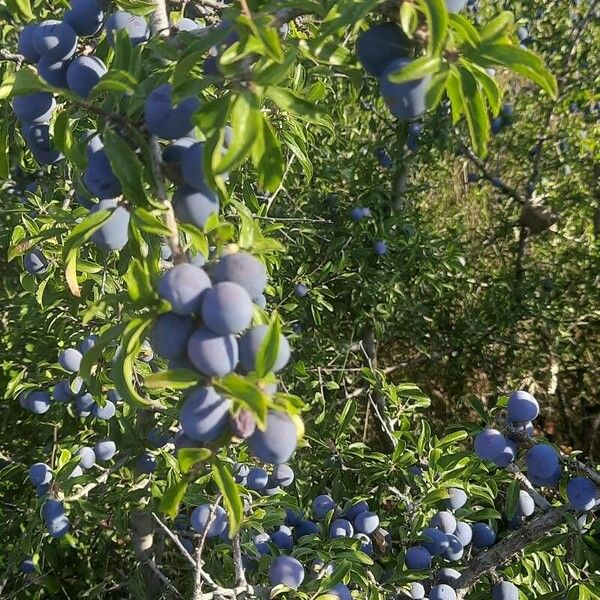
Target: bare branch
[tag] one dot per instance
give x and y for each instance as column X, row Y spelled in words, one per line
column 12, row 57
column 175, row 540
column 159, row 21
column 240, row 576
column 162, row 576
column 86, row 489
column 520, row 478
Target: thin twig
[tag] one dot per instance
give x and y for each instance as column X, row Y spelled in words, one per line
column 86, row 489
column 175, row 540
column 162, row 576
column 199, row 571
column 240, row 575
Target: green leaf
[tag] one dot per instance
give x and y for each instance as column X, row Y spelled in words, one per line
column 188, row 457
column 94, row 354
column 169, row 503
column 452, row 438
column 497, row 27
column 270, row 39
column 245, row 122
column 240, row 388
column 416, row 69
column 24, row 7
column 176, row 379
column 434, row 496
column 115, row 80
column 520, row 60
column 489, row 85
column 128, row 351
column 346, row 417
column 269, row 348
column 80, row 234
column 436, row 88
column 4, row 160
column 288, row 101
column 231, row 497
column 267, row 158
column 148, row 222
column 409, row 18
column 126, row 166
column 137, row 279
column 475, row 111
column 462, row 26
column 436, row 15
column 512, row 499
column 28, row 82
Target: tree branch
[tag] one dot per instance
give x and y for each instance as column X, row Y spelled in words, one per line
column 86, row 489
column 506, row 549
column 175, row 540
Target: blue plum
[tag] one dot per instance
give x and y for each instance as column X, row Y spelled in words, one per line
column 99, row 177
column 300, row 290
column 435, row 541
column 84, row 73
column 417, row 590
column 243, row 424
column 277, row 443
column 195, row 206
column 366, row 545
column 38, row 402
column 261, row 543
column 59, row 527
column 341, row 591
column 37, row 136
column 379, row 45
column 40, row 473
column 105, row 412
column 455, row 548
column 165, row 120
column 582, row 493
column 244, row 269
column 174, row 152
column 35, row 263
column 522, row 407
column 323, row 504
column 380, row 248
column 135, row 26
column 457, row 498
column 184, row 286
column 455, row 6
column 525, row 505
column 405, row 100
column 212, row 354
column 93, row 142
column 507, row 455
column 356, row 214
column 87, row 457
column 483, row 535
column 489, row 443
column 26, row 45
column 249, row 345
column 446, row 575
column 145, row 463
column 54, row 40
column 463, row 532
column 192, row 169
column 340, row 528
column 158, row 437
column 170, row 334
column 293, row 518
column 442, row 592
column 227, row 308
column 62, row 391
column 283, row 538
column 105, row 450
column 27, row 566
column 542, row 460
column 84, row 404
column 283, row 475
column 417, row 558
column 505, row 590
column 199, row 520
column 34, row 108
column 355, row 509
column 256, row 479
column 54, row 72
column 85, row 17
column 185, row 24
column 306, row 527
column 366, row 522
column 286, row 570
column 444, row 521
column 52, row 509
column 205, row 415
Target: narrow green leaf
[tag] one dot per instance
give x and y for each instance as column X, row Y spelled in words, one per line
column 94, row 354
column 80, row 234
column 115, row 80
column 267, row 158
column 231, row 497
column 434, row 496
column 245, row 122
column 409, row 18
column 519, row 60
column 436, row 15
column 475, row 111
column 452, row 438
column 270, row 39
column 126, row 166
column 463, row 27
column 512, row 499
column 241, row 389
column 288, row 101
column 436, row 88
column 488, row 84
column 346, row 417
column 269, row 348
column 188, row 457
column 24, row 7
column 454, row 95
column 137, row 280
column 416, row 69
column 169, row 503
column 497, row 27
column 176, row 379
column 4, row 161
column 148, row 222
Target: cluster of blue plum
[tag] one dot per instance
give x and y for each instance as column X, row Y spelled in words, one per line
column 53, row 46
column 446, row 540
column 209, row 330
column 358, row 213
column 543, row 461
column 384, row 49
